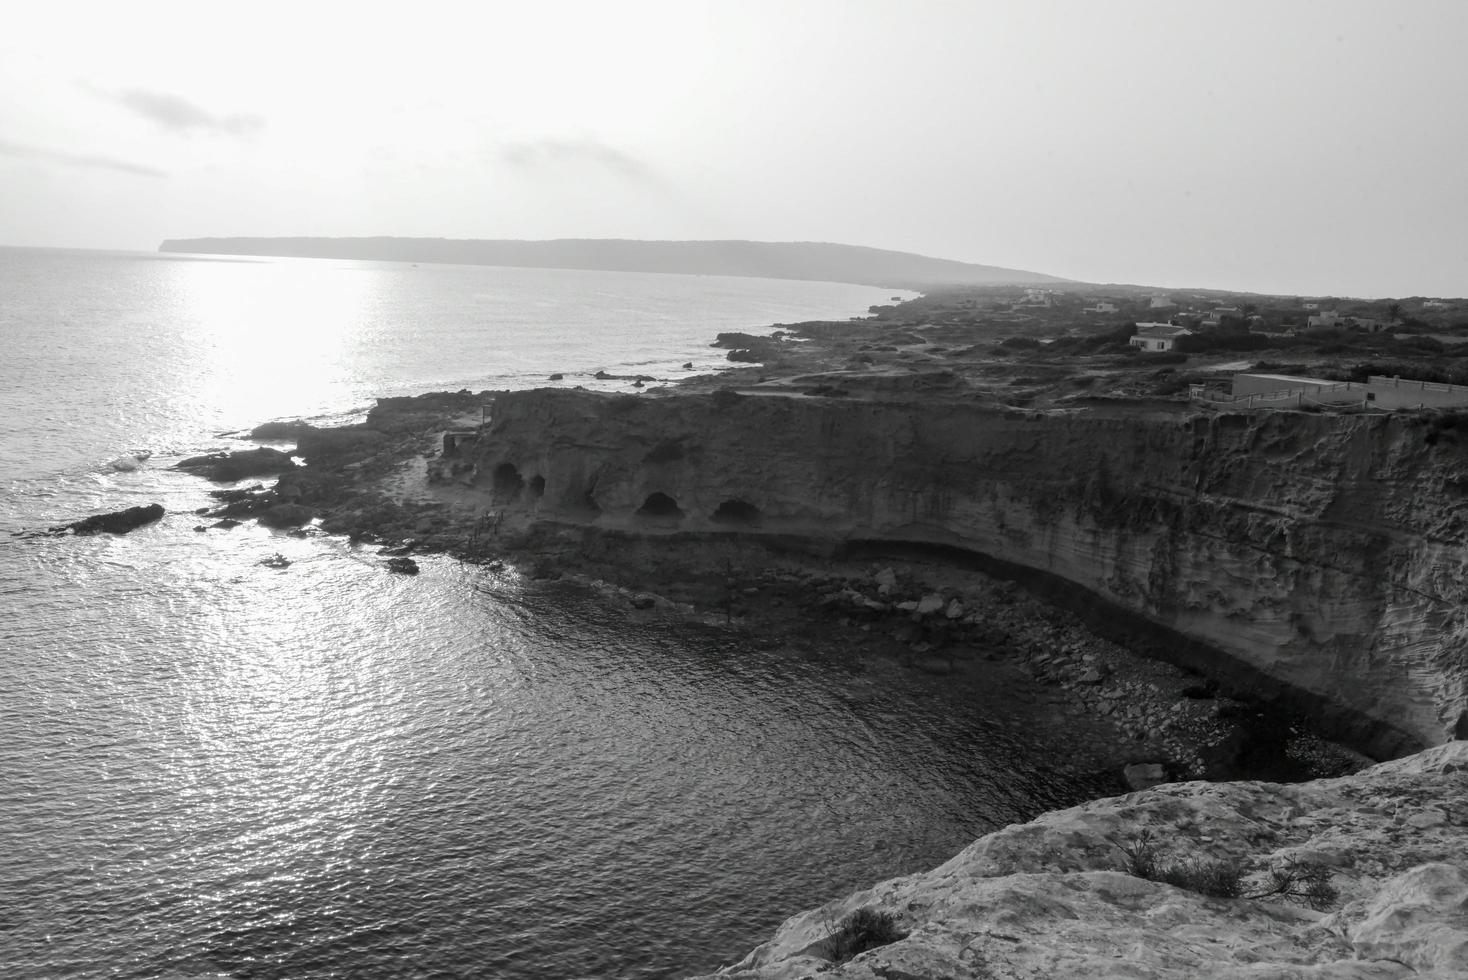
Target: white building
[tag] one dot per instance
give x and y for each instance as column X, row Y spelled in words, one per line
column 1155, row 337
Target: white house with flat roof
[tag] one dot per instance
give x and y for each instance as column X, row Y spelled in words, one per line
column 1155, row 337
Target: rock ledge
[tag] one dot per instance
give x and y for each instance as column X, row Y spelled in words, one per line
column 1047, row 898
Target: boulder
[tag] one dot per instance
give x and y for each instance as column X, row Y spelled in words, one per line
column 1143, row 775
column 116, row 522
column 402, row 565
column 929, row 603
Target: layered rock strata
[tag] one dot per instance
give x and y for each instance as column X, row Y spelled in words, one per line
column 1316, row 555
column 1048, row 898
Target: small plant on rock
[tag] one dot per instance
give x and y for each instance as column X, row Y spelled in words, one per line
column 866, row 928
column 1216, row 879
column 1296, row 881
column 1302, row 882
column 1141, row 857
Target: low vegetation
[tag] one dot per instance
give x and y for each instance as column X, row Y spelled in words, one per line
column 866, row 928
column 1297, row 881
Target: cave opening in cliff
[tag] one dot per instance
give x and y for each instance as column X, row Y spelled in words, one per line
column 507, row 482
column 737, row 512
column 660, row 506
column 537, row 486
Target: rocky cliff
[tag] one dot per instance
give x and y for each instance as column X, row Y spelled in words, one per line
column 1318, row 557
column 1048, row 898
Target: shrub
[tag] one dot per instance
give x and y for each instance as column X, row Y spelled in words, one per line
column 1303, row 882
column 864, row 929
column 1141, row 858
column 1296, row 881
column 1216, row 879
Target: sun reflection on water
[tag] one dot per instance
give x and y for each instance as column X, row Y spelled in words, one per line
column 275, row 338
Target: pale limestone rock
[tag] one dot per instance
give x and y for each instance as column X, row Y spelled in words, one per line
column 1419, row 918
column 929, row 603
column 1045, row 899
column 1328, row 553
column 1143, row 775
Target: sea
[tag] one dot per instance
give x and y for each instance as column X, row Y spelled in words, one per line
column 210, row 767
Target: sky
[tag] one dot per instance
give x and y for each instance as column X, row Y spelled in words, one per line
column 1314, row 147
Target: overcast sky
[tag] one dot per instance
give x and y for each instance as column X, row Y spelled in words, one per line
column 1281, row 146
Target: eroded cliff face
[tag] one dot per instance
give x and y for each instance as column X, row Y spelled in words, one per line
column 1326, row 553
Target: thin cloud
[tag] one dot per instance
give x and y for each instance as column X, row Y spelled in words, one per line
column 542, row 153
column 178, row 114
column 27, row 152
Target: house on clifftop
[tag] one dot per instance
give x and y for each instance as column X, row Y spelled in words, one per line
column 1154, row 337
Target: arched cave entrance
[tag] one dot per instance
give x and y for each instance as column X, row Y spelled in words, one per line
column 660, row 506
column 537, row 486
column 739, row 513
column 507, row 482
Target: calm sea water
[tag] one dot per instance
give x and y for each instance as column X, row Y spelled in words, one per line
column 209, row 767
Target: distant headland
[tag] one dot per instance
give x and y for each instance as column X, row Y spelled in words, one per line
column 768, row 260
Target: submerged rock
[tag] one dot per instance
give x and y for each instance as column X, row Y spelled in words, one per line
column 403, row 565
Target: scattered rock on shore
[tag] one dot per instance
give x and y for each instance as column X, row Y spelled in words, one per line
column 116, row 522
column 226, row 467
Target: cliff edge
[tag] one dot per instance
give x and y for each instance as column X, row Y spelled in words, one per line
column 1047, row 898
column 1318, row 557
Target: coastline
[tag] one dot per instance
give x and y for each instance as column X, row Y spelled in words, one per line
column 396, row 481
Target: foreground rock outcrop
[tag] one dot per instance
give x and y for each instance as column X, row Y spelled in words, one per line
column 1048, row 898
column 1316, row 557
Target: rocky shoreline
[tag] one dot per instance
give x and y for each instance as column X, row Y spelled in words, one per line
column 387, row 482
column 1037, row 899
